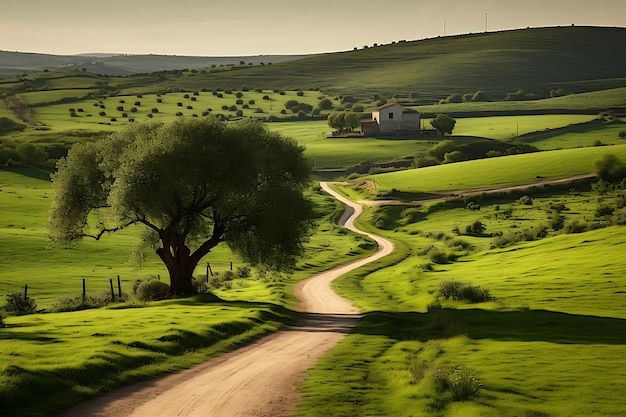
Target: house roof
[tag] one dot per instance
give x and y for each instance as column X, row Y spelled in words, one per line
column 384, row 106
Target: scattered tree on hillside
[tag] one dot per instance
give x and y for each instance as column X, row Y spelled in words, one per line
column 611, row 169
column 193, row 184
column 325, row 104
column 443, row 123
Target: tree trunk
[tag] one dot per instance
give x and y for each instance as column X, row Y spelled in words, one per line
column 181, row 263
column 176, row 257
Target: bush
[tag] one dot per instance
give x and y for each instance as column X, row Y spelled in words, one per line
column 437, row 256
column 152, row 290
column 525, row 200
column 460, row 291
column 459, row 381
column 2, row 324
column 557, row 221
column 19, row 305
column 243, row 271
column 604, row 211
column 477, row 228
column 611, row 169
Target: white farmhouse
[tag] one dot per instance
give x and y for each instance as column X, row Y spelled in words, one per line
column 392, row 118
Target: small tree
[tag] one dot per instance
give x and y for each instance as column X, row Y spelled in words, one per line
column 611, row 169
column 351, row 120
column 337, row 121
column 325, row 104
column 443, row 123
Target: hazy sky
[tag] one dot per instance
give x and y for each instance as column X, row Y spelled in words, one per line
column 263, row 27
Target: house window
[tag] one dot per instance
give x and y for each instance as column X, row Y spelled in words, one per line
column 390, row 116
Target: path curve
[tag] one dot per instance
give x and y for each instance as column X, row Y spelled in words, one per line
column 257, row 380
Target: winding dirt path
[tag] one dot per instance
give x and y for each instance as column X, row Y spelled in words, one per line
column 260, row 379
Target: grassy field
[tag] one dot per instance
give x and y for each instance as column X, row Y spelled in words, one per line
column 548, row 343
column 78, row 354
column 491, row 172
column 587, row 101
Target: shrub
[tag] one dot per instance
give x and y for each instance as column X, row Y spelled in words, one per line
column 243, row 271
column 460, row 291
column 604, row 211
column 2, row 324
column 19, row 305
column 477, row 228
column 459, row 381
column 611, row 169
column 525, row 200
column 556, row 221
column 437, row 255
column 152, row 290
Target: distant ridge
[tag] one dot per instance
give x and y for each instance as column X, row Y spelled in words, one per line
column 17, row 63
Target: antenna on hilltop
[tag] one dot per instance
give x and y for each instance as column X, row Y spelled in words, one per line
column 485, row 22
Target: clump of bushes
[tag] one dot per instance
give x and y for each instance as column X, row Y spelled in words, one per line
column 78, row 302
column 462, row 291
column 476, row 228
column 461, row 382
column 19, row 305
column 528, row 235
column 151, row 290
column 437, row 255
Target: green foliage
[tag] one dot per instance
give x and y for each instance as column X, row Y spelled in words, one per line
column 443, row 123
column 30, row 154
column 152, row 290
column 477, row 228
column 19, row 305
column 533, row 233
column 525, row 200
column 462, row 291
column 458, row 380
column 611, row 169
column 194, row 183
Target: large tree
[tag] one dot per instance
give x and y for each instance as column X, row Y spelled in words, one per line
column 193, row 184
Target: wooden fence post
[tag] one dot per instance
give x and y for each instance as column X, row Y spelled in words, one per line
column 25, row 291
column 119, row 287
column 84, row 290
column 208, row 271
column 112, row 292
column 231, row 266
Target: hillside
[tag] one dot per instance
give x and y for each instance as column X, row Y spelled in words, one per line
column 537, row 61
column 574, row 59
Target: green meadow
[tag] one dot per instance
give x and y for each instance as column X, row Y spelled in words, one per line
column 127, row 340
column 492, row 172
column 547, row 342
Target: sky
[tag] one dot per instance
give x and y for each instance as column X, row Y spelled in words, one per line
column 268, row 27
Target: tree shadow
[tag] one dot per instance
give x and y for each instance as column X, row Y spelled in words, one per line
column 518, row 325
column 32, row 172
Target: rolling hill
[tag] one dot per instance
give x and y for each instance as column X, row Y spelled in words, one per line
column 529, row 63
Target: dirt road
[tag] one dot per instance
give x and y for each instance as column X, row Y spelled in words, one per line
column 258, row 380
